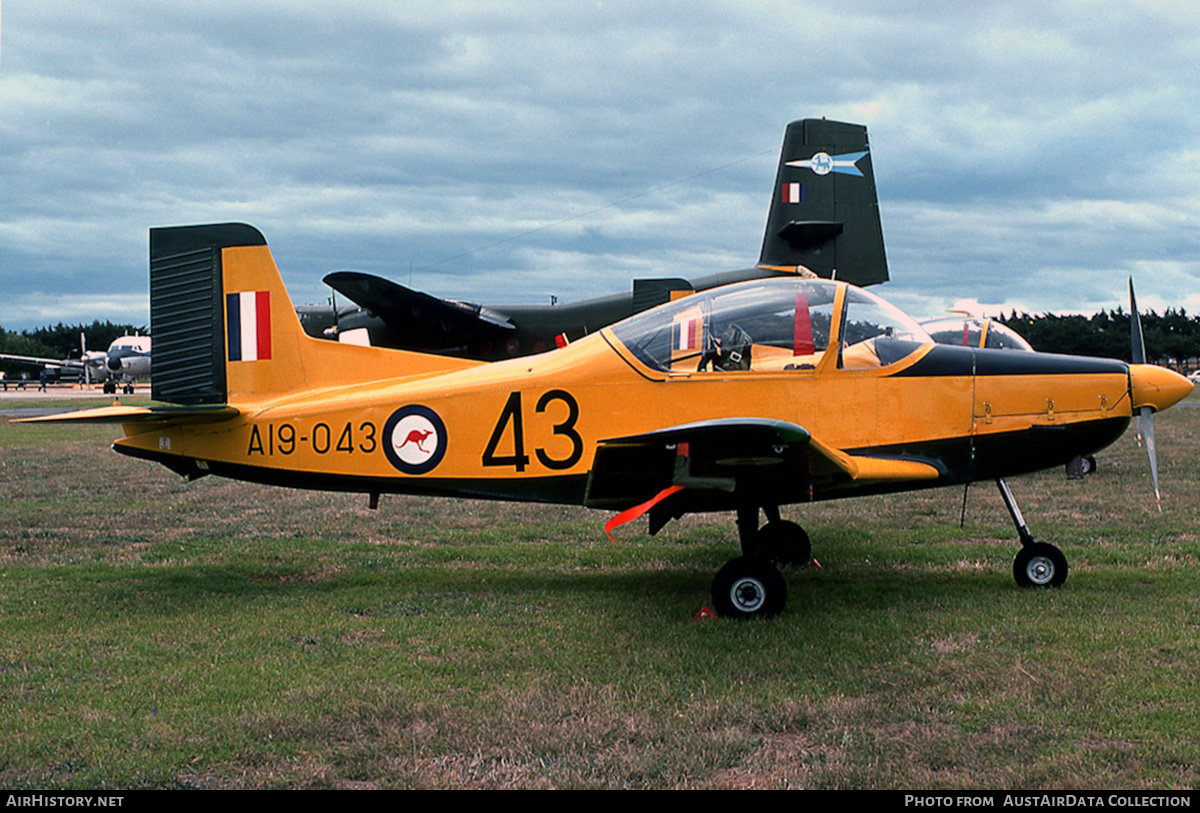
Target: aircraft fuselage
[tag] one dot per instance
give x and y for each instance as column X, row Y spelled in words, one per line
column 528, row 429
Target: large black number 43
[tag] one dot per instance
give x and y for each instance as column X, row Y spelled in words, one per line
column 511, row 416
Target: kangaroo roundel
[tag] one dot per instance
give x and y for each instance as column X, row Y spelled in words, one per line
column 414, row 439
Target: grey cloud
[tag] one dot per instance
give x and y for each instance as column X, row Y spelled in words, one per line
column 1028, row 154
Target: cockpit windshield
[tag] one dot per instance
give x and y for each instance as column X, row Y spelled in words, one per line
column 968, row 331
column 775, row 324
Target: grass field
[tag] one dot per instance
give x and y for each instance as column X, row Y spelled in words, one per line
column 157, row 633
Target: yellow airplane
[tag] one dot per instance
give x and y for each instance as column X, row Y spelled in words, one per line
column 743, row 398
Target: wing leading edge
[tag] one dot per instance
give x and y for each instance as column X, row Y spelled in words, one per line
column 418, row 321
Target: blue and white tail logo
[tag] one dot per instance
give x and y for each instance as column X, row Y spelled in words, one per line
column 822, row 163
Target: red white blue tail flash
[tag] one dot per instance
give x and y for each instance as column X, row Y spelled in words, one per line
column 248, row 315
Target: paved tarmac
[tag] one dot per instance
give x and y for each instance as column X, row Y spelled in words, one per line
column 29, row 402
column 57, row 392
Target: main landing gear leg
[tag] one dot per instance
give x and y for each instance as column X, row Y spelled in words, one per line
column 1037, row 564
column 779, row 541
column 751, row 585
column 747, row 525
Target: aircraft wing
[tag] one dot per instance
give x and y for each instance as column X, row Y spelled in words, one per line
column 775, row 461
column 419, row 321
column 46, row 362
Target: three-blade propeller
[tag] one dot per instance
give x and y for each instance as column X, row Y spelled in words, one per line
column 1145, row 416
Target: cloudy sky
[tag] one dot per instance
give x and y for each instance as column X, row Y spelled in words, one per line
column 1028, row 154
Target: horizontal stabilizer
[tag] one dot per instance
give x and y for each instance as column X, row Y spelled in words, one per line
column 810, row 235
column 130, row 414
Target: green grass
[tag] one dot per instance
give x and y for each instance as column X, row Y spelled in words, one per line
column 157, row 633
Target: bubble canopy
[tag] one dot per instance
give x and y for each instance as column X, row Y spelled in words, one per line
column 775, row 324
column 970, row 331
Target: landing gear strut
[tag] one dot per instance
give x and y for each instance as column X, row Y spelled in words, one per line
column 779, row 541
column 751, row 585
column 1037, row 564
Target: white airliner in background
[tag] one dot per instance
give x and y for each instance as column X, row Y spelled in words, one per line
column 127, row 359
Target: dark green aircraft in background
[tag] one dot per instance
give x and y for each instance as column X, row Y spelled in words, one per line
column 823, row 221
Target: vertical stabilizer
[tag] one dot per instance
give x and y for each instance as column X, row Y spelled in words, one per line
column 225, row 330
column 187, row 317
column 824, row 211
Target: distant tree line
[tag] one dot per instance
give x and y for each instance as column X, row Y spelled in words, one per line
column 1172, row 339
column 60, row 341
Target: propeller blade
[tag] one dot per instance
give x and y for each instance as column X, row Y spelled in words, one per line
column 1146, row 417
column 1137, row 346
column 1135, row 329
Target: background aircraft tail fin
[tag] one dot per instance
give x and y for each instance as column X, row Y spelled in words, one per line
column 225, row 330
column 824, row 211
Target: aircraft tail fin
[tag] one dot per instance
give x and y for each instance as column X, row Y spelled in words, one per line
column 824, row 211
column 225, row 330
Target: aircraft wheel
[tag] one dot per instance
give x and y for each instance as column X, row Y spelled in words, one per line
column 1040, row 565
column 749, row 587
column 1088, row 465
column 784, row 543
column 109, row 388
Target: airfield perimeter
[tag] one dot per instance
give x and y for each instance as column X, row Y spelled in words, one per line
column 218, row 634
column 15, row 399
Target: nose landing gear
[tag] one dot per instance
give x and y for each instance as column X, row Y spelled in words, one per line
column 1037, row 564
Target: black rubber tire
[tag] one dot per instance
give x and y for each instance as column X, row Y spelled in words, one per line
column 784, row 543
column 1040, row 565
column 749, row 587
